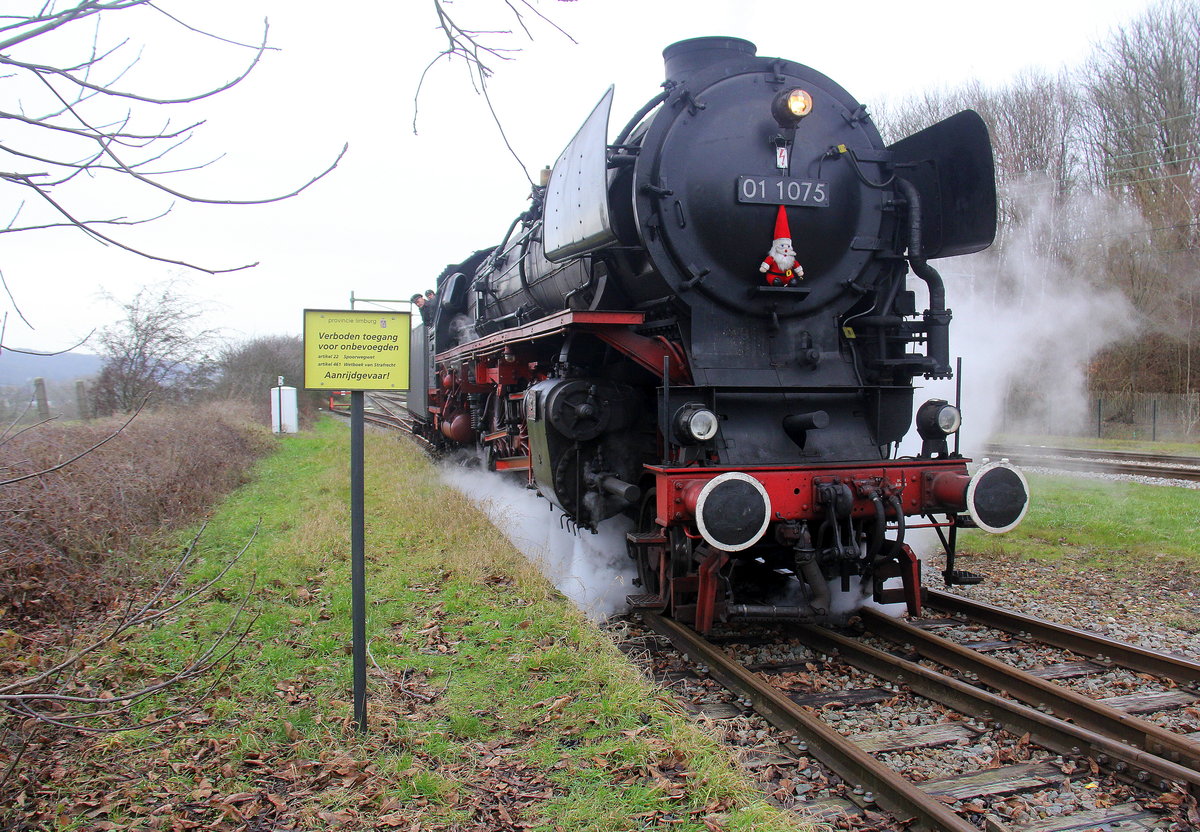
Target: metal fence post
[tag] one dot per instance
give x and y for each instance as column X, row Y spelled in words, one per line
column 1099, row 417
column 1154, row 420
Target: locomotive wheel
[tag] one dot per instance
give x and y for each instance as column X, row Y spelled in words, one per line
column 647, row 575
column 680, row 549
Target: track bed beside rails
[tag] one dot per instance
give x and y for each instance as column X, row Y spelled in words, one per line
column 882, row 740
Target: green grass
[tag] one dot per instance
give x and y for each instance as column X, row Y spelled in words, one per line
column 1114, row 523
column 479, row 668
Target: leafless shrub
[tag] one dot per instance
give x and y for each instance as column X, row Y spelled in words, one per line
column 246, row 371
column 157, row 350
column 59, row 529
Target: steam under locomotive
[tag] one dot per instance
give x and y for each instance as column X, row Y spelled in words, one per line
column 704, row 325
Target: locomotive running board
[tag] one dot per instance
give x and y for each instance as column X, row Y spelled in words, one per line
column 613, row 328
column 541, row 328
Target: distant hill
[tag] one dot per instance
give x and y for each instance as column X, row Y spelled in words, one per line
column 18, row 368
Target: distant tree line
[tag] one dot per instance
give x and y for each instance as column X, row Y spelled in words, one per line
column 158, row 353
column 1098, row 170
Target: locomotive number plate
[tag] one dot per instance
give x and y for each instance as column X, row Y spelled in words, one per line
column 783, row 190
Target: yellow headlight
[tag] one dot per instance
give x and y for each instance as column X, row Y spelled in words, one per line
column 789, row 106
column 799, row 103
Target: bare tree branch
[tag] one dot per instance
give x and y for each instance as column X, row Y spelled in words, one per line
column 43, row 70
column 50, row 22
column 29, row 698
column 468, row 45
column 121, row 146
column 75, row 346
column 83, row 225
column 13, row 301
column 210, row 34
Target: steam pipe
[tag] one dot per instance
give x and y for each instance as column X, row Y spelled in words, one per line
column 937, row 290
column 937, row 320
column 639, row 115
column 880, row 527
column 820, row 589
column 937, row 317
column 770, row 612
column 913, row 198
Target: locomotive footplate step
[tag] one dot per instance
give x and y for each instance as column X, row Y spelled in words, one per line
column 962, row 577
column 646, row 601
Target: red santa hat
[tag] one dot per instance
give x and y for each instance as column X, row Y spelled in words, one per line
column 781, row 226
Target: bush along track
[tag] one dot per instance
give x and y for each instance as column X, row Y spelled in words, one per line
column 493, row 704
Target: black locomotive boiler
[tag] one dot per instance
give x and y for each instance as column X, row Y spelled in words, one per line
column 704, row 325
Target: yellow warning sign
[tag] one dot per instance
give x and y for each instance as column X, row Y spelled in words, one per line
column 351, row 350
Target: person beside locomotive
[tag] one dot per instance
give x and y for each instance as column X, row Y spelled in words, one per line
column 424, row 307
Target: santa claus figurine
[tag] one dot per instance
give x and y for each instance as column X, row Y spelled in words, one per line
column 780, row 264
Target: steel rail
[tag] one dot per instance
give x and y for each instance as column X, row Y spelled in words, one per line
column 1122, row 761
column 1092, row 645
column 1042, row 693
column 376, row 418
column 1092, row 453
column 842, row 755
column 1065, row 459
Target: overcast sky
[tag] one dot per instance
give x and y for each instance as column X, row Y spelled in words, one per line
column 400, row 207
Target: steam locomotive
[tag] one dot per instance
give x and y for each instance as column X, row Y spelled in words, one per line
column 704, row 325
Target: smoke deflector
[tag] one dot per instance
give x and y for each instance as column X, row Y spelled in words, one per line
column 576, row 218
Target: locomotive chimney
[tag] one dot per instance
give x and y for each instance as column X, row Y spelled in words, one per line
column 687, row 56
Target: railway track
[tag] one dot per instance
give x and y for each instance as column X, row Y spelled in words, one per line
column 1046, row 737
column 386, row 410
column 1114, row 462
column 1073, row 742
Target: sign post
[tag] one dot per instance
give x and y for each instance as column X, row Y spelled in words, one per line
column 358, row 560
column 356, row 351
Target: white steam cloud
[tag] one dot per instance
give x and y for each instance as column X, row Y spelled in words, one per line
column 1029, row 321
column 593, row 570
column 1025, row 319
